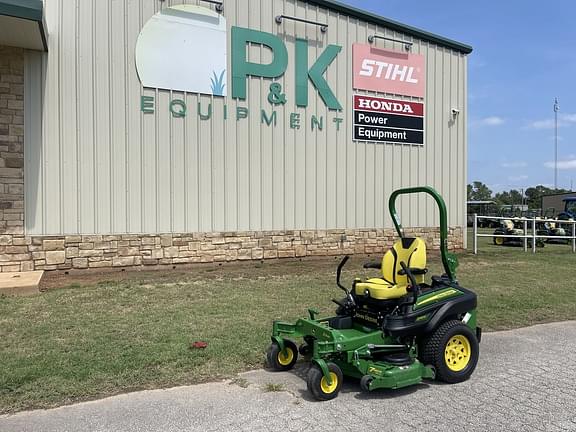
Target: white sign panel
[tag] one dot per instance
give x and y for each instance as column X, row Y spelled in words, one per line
column 184, row 48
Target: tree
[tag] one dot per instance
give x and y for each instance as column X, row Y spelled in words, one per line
column 478, row 191
column 512, row 197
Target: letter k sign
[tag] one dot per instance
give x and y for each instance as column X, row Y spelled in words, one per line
column 315, row 74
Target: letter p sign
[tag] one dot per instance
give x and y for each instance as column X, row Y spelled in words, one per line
column 242, row 68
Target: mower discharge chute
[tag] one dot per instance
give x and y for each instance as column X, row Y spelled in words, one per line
column 390, row 331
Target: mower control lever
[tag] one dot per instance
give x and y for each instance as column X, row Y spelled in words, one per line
column 373, row 265
column 415, row 286
column 339, row 303
column 414, row 271
column 349, row 298
column 339, row 273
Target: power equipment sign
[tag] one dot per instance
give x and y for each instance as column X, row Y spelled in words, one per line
column 388, row 120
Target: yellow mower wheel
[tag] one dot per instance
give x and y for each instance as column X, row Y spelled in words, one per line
column 282, row 360
column 329, row 388
column 318, row 384
column 457, row 353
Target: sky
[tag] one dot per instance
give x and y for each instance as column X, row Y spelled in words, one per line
column 524, row 56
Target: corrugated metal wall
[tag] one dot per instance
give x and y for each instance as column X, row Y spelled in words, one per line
column 96, row 164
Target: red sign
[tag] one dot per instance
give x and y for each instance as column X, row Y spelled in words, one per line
column 385, row 71
column 388, row 106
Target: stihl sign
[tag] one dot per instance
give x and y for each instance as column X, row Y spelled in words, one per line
column 389, row 71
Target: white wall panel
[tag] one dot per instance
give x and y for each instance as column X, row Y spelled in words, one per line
column 96, row 164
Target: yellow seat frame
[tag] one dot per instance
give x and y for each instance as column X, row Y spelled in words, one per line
column 392, row 284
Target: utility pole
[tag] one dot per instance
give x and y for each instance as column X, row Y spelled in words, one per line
column 556, row 109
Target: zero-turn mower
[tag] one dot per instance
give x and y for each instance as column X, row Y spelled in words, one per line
column 551, row 229
column 389, row 331
column 508, row 228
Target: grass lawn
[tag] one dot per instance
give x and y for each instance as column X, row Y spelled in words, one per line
column 119, row 332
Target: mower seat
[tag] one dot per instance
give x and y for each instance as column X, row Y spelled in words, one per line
column 508, row 224
column 393, row 283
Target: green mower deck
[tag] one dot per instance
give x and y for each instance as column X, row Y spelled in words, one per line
column 351, row 350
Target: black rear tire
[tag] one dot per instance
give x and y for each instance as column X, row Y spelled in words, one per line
column 453, row 350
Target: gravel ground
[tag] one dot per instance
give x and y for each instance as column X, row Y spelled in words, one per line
column 525, row 381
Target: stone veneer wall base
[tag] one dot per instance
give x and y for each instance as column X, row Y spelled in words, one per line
column 27, row 253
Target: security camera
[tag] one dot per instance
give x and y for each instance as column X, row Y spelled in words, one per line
column 455, row 112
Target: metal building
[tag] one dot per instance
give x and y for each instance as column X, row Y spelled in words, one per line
column 164, row 132
column 554, row 204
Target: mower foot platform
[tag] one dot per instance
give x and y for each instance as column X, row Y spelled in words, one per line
column 381, row 375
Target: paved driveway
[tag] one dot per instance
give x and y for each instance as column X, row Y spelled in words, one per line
column 525, row 381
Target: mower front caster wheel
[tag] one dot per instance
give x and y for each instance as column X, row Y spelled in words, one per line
column 282, row 360
column 305, row 350
column 365, row 382
column 318, row 384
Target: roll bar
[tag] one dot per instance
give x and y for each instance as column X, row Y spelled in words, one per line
column 449, row 260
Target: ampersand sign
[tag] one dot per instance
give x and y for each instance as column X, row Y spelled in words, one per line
column 276, row 97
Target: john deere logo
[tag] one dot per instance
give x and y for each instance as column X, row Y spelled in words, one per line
column 183, row 48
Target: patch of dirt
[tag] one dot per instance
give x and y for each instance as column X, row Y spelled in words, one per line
column 249, row 270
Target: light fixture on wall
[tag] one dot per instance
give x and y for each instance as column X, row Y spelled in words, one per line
column 219, row 6
column 323, row 27
column 407, row 45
